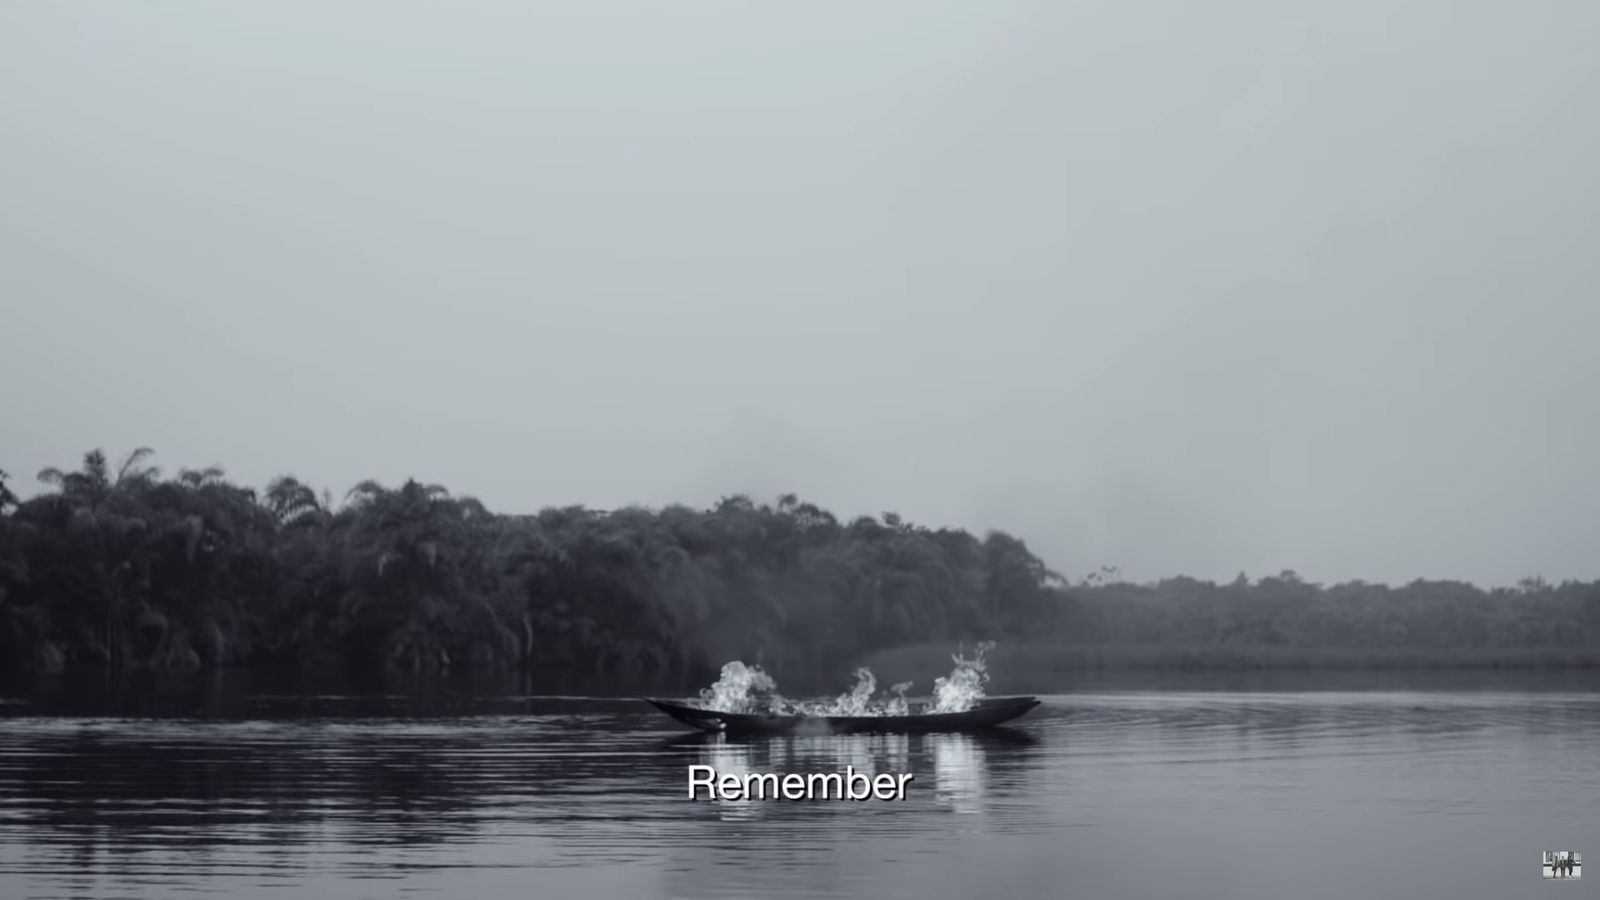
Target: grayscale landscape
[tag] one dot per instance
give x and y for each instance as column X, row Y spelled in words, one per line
column 392, row 396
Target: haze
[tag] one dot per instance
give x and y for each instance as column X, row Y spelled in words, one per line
column 1179, row 288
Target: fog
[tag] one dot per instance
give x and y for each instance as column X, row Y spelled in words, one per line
column 1172, row 287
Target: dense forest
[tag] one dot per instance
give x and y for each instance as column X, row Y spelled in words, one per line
column 118, row 567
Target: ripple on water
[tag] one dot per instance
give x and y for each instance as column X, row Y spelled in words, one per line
column 592, row 795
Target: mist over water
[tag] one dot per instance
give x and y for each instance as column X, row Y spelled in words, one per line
column 747, row 689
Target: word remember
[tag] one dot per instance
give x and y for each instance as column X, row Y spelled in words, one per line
column 850, row 785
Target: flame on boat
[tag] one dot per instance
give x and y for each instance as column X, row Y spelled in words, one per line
column 744, row 688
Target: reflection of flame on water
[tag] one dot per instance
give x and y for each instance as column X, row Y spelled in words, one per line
column 958, row 767
column 732, row 759
column 748, row 689
column 896, row 752
column 868, row 754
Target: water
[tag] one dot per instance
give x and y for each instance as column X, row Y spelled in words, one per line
column 1124, row 792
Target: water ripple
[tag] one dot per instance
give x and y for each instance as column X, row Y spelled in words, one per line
column 577, row 795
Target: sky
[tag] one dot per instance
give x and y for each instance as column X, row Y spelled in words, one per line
column 1178, row 288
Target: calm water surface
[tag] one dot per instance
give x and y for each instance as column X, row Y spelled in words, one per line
column 1098, row 793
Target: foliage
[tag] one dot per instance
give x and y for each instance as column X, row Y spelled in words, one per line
column 122, row 568
column 1423, row 619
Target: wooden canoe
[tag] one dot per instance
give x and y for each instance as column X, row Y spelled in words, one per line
column 988, row 713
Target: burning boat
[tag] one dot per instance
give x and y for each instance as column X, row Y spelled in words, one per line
column 745, row 700
column 988, row 713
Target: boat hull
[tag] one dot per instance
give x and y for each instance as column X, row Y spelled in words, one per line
column 987, row 714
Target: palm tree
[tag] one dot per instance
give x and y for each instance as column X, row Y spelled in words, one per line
column 197, row 478
column 6, row 497
column 289, row 499
column 107, row 523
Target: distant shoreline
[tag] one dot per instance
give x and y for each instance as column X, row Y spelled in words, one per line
column 1042, row 659
column 1031, row 662
column 121, row 569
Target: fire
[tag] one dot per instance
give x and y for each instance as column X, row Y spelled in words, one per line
column 963, row 687
column 732, row 692
column 747, row 689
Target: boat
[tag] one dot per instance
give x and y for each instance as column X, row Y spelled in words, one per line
column 989, row 712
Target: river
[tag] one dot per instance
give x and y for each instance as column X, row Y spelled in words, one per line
column 1109, row 790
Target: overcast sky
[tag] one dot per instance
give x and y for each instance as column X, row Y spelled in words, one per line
column 1177, row 287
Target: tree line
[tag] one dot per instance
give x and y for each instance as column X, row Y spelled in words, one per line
column 1284, row 621
column 119, row 567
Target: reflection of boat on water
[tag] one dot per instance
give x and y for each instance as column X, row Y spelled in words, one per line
column 986, row 714
column 959, row 765
column 998, row 737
